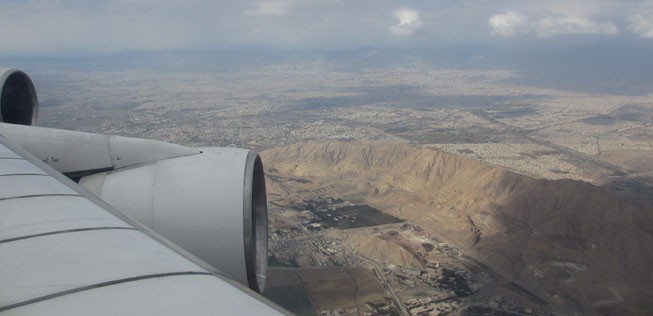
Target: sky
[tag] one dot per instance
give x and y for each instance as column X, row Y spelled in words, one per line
column 78, row 27
column 580, row 45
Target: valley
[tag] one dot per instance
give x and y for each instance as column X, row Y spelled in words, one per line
column 482, row 237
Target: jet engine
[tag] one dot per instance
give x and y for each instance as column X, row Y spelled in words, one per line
column 209, row 201
column 212, row 204
column 18, row 102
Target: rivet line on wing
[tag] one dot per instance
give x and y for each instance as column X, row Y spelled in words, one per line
column 36, row 195
column 62, row 232
column 99, row 285
column 25, row 174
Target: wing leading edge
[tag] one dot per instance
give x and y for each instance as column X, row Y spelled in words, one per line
column 64, row 251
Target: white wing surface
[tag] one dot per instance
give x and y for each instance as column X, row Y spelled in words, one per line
column 63, row 251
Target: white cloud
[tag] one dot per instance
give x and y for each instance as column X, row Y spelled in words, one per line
column 641, row 25
column 408, row 22
column 550, row 26
column 82, row 26
column 512, row 23
column 508, row 24
column 268, row 8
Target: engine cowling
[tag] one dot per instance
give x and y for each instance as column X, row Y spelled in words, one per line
column 194, row 201
column 18, row 101
column 211, row 202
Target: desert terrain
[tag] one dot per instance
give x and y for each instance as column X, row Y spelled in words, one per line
column 412, row 189
column 557, row 245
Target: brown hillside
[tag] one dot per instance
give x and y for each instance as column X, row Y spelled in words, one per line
column 550, row 234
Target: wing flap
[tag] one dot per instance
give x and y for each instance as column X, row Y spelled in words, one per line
column 24, row 217
column 23, row 186
column 19, row 166
column 200, row 293
column 6, row 153
column 65, row 260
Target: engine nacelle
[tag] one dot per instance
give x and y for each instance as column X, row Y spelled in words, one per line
column 18, row 101
column 194, row 201
column 211, row 202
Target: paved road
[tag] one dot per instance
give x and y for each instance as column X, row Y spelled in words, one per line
column 576, row 156
column 638, row 188
column 379, row 273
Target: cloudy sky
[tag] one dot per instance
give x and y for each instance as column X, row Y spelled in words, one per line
column 71, row 27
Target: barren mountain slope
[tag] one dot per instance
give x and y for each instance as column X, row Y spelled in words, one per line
column 566, row 236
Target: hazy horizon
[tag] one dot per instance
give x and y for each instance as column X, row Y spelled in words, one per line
column 599, row 46
column 580, row 67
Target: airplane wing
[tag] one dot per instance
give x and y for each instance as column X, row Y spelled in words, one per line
column 63, row 251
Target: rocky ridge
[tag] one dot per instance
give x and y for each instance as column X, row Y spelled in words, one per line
column 562, row 235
